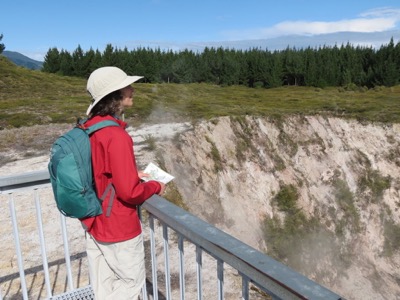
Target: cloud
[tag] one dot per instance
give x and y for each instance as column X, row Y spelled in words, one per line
column 377, row 20
column 355, row 25
column 386, row 12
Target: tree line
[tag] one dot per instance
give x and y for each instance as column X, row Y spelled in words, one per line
column 322, row 66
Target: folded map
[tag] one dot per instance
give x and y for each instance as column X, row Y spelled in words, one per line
column 155, row 173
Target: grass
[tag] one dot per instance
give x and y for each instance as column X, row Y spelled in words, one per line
column 31, row 97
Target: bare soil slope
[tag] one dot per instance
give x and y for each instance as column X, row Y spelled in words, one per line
column 230, row 171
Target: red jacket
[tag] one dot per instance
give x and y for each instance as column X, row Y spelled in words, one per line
column 114, row 161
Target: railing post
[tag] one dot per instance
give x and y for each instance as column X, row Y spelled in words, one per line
column 245, row 287
column 42, row 243
column 220, row 274
column 181, row 267
column 18, row 247
column 166, row 261
column 153, row 257
column 144, row 288
column 66, row 252
column 199, row 264
column 144, row 291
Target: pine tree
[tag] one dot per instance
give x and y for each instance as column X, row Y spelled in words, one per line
column 293, row 67
column 78, row 62
column 93, row 61
column 2, row 47
column 51, row 62
column 66, row 67
column 209, row 65
column 311, row 69
column 385, row 69
column 108, row 57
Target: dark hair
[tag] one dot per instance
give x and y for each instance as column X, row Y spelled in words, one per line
column 108, row 105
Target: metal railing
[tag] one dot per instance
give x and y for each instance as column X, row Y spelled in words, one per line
column 223, row 259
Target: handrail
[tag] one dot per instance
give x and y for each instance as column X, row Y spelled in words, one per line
column 24, row 180
column 273, row 277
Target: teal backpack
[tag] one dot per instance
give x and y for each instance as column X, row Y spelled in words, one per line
column 71, row 175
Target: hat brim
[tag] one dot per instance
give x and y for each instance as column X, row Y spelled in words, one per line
column 128, row 81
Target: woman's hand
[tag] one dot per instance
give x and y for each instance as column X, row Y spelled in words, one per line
column 142, row 174
column 162, row 188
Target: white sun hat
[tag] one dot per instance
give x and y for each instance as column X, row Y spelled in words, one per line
column 106, row 80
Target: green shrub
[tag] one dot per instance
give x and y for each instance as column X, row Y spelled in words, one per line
column 286, row 199
column 392, row 238
column 150, row 142
column 376, row 183
column 346, row 202
column 215, row 155
column 280, row 234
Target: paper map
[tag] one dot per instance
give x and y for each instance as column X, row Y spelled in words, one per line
column 156, row 174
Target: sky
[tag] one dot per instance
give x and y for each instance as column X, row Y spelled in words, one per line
column 33, row 27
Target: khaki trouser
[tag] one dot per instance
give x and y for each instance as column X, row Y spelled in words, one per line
column 117, row 270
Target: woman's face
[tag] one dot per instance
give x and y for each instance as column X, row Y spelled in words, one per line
column 127, row 96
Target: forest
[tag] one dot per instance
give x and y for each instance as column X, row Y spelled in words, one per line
column 340, row 66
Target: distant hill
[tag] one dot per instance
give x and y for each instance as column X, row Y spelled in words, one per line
column 22, row 60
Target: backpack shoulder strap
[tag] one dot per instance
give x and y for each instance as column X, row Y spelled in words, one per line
column 111, row 188
column 100, row 125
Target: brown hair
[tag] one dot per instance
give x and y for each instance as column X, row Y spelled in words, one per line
column 108, row 105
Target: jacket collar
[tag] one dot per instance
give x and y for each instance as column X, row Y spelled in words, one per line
column 97, row 119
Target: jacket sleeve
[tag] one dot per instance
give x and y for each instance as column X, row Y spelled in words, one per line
column 128, row 186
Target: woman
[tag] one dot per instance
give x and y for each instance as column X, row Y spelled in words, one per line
column 114, row 243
